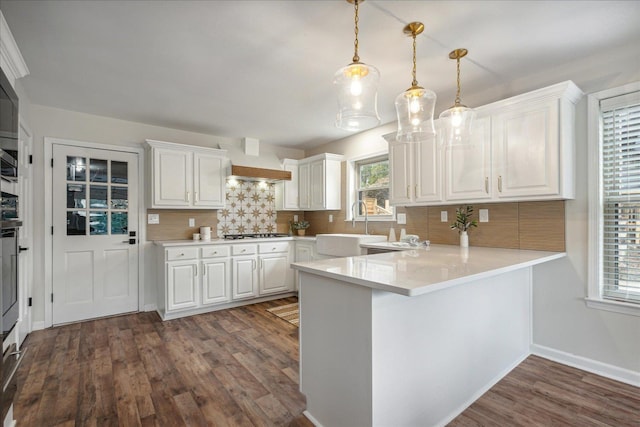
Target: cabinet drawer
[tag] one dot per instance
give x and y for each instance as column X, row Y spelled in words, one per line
column 268, row 248
column 177, row 254
column 215, row 251
column 244, row 249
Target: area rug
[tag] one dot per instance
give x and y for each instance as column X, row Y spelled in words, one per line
column 288, row 312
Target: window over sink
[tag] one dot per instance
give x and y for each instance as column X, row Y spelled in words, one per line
column 370, row 188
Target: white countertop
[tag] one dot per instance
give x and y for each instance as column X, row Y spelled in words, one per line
column 170, row 243
column 419, row 271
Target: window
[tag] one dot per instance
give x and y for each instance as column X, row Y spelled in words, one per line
column 615, row 198
column 371, row 187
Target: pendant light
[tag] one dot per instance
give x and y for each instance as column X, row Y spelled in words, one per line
column 357, row 85
column 415, row 105
column 457, row 120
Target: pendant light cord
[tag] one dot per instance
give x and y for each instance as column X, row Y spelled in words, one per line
column 356, row 58
column 457, row 103
column 413, row 73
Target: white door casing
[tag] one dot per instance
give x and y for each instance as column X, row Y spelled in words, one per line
column 94, row 209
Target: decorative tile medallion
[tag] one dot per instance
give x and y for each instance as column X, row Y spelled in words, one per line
column 249, row 208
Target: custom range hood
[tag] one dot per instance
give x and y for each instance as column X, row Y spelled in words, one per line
column 247, row 163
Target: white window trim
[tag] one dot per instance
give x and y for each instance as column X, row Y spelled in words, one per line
column 594, row 291
column 351, row 192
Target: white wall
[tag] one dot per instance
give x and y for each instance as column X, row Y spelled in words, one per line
column 562, row 321
column 52, row 122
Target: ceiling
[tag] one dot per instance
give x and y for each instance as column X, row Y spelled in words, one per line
column 264, row 69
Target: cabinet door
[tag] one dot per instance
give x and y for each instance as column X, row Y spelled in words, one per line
column 526, row 144
column 400, row 172
column 428, row 171
column 303, row 186
column 245, row 277
column 182, row 281
column 208, row 180
column 172, row 177
column 216, row 281
column 275, row 274
column 468, row 166
column 290, row 191
column 317, row 184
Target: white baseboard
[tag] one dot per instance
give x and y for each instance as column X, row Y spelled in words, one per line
column 310, row 418
column 37, row 326
column 150, row 307
column 603, row 369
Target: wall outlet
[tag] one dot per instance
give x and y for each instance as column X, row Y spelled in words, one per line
column 401, row 218
column 484, row 215
column 295, row 218
column 444, row 217
column 192, row 222
column 153, row 219
column 330, row 218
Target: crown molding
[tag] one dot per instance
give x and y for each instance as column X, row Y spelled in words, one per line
column 11, row 60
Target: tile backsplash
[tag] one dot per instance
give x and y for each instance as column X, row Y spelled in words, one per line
column 250, row 207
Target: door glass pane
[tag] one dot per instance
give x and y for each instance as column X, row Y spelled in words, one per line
column 119, row 198
column 97, row 170
column 98, row 223
column 76, row 168
column 98, row 196
column 76, row 196
column 76, row 223
column 119, row 172
column 119, row 222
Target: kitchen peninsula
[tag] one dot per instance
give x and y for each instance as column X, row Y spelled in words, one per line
column 411, row 337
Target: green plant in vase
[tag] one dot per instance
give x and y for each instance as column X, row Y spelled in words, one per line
column 301, row 226
column 463, row 223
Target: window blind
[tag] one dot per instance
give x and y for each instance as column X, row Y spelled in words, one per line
column 621, row 197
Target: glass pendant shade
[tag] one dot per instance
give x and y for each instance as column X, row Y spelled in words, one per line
column 357, row 87
column 455, row 124
column 414, row 108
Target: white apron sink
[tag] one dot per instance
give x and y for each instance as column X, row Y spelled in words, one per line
column 345, row 244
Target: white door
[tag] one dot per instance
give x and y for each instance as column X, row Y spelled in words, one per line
column 172, row 177
column 182, row 285
column 216, row 278
column 274, row 273
column 468, row 166
column 208, row 180
column 317, row 184
column 427, row 186
column 245, row 277
column 401, row 170
column 95, row 233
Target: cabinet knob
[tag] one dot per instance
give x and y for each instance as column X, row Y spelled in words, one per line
column 244, row 250
column 273, row 249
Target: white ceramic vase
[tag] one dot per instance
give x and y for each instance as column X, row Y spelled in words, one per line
column 464, row 239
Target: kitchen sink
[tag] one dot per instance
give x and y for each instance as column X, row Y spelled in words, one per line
column 345, row 244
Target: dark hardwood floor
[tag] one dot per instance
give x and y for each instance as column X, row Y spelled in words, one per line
column 239, row 367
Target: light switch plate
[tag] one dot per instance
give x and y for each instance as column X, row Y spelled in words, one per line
column 401, row 218
column 330, row 218
column 484, row 215
column 153, row 219
column 444, row 217
column 192, row 222
column 295, row 218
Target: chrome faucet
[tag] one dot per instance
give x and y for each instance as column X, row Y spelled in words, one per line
column 354, row 214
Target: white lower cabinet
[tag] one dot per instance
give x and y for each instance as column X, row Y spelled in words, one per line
column 182, row 285
column 275, row 273
column 201, row 278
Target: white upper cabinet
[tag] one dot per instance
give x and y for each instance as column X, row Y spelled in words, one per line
column 468, row 167
column 521, row 148
column 415, row 171
column 287, row 196
column 184, row 176
column 534, row 145
column 320, row 182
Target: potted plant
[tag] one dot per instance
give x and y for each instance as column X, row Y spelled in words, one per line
column 463, row 223
column 301, row 226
